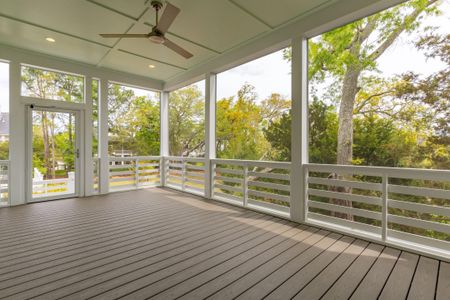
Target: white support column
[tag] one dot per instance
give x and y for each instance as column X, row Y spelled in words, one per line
column 17, row 138
column 88, row 134
column 164, row 135
column 103, row 137
column 299, row 130
column 210, row 131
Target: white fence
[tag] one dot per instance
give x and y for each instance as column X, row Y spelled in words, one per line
column 4, row 187
column 397, row 205
column 54, row 187
column 256, row 184
column 126, row 173
column 185, row 174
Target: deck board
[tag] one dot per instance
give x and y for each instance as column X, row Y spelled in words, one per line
column 443, row 288
column 399, row 281
column 162, row 244
column 424, row 282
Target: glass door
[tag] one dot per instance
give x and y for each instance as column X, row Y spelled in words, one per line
column 53, row 158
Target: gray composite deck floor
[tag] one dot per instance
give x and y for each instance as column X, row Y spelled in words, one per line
column 161, row 244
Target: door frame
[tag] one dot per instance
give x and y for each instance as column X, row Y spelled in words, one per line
column 79, row 145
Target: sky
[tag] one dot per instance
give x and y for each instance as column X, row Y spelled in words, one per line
column 271, row 73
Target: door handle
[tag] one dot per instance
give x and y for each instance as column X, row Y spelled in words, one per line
column 78, row 153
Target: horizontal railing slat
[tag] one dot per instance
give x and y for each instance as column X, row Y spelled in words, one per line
column 229, row 171
column 270, row 185
column 270, row 175
column 345, row 183
column 345, row 196
column 444, row 228
column 344, row 209
column 229, row 179
column 419, row 191
column 192, row 167
column 421, row 208
column 228, row 188
column 267, row 195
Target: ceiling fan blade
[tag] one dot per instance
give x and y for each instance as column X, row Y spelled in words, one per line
column 169, row 14
column 125, row 35
column 177, row 49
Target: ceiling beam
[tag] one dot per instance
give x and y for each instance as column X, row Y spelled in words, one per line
column 248, row 12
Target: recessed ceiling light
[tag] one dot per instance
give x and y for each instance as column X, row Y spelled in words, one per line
column 151, row 66
column 49, row 39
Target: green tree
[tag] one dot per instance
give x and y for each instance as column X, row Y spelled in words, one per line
column 187, row 122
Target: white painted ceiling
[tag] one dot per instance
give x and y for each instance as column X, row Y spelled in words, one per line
column 206, row 28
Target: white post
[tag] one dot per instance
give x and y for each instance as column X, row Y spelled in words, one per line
column 103, row 137
column 183, row 174
column 245, row 186
column 136, row 174
column 71, row 183
column 299, row 131
column 88, row 161
column 164, row 136
column 17, row 139
column 384, row 207
column 210, row 132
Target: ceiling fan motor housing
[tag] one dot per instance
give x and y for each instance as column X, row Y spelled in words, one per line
column 156, row 4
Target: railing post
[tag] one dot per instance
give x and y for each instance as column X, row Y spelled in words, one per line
column 183, row 173
column 162, row 171
column 245, row 186
column 305, row 172
column 211, row 173
column 71, row 183
column 384, row 206
column 136, row 172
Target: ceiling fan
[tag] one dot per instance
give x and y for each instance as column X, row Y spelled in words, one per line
column 157, row 34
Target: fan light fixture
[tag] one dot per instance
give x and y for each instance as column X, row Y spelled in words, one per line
column 157, row 39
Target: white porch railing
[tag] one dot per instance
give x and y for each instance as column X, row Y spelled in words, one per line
column 4, row 186
column 185, row 174
column 255, row 184
column 54, row 187
column 127, row 173
column 395, row 206
column 403, row 206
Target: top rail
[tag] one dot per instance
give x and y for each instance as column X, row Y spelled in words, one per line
column 111, row 158
column 405, row 173
column 259, row 163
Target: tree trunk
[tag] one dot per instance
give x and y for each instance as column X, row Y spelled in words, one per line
column 345, row 133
